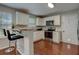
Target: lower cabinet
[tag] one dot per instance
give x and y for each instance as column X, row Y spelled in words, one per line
column 56, row 37
column 38, row 35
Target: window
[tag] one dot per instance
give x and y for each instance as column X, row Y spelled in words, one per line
column 5, row 21
column 32, row 20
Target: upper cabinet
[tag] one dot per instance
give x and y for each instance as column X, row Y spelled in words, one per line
column 47, row 19
column 25, row 19
column 40, row 21
column 50, row 18
column 57, row 20
column 21, row 18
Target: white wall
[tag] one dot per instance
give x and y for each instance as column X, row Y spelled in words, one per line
column 69, row 24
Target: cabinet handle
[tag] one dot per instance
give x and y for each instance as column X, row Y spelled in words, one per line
column 63, row 31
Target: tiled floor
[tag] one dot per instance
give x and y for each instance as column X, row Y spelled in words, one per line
column 45, row 47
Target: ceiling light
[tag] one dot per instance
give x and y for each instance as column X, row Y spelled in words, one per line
column 51, row 5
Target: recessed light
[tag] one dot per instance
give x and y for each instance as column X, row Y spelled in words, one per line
column 51, row 5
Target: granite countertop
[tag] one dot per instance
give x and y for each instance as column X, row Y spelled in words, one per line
column 37, row 30
column 32, row 29
column 26, row 30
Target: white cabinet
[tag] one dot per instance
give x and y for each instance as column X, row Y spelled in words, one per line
column 50, row 18
column 38, row 35
column 21, row 18
column 57, row 20
column 56, row 37
column 39, row 21
column 44, row 21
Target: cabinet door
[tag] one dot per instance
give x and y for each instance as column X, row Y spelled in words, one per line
column 50, row 18
column 44, row 21
column 38, row 35
column 57, row 20
column 39, row 21
column 56, row 37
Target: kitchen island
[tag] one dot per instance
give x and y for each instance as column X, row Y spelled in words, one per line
column 25, row 46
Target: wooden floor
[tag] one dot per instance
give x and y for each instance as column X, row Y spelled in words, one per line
column 44, row 47
column 2, row 52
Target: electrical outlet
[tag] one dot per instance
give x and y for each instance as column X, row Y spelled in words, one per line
column 68, row 46
column 69, row 40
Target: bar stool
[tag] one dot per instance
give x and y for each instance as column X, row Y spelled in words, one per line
column 5, row 34
column 13, row 37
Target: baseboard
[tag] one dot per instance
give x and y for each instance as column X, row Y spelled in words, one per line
column 70, row 43
column 38, row 40
column 54, row 42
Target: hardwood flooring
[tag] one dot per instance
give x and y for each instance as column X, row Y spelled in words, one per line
column 45, row 47
column 2, row 52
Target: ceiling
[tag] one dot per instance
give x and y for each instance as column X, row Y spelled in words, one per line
column 42, row 8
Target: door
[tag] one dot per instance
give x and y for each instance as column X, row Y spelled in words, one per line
column 69, row 28
column 65, row 28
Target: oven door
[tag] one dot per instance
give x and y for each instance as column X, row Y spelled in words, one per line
column 49, row 34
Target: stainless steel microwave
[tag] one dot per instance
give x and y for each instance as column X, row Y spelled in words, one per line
column 49, row 23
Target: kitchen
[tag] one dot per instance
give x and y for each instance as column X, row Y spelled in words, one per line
column 54, row 28
column 51, row 24
column 42, row 29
